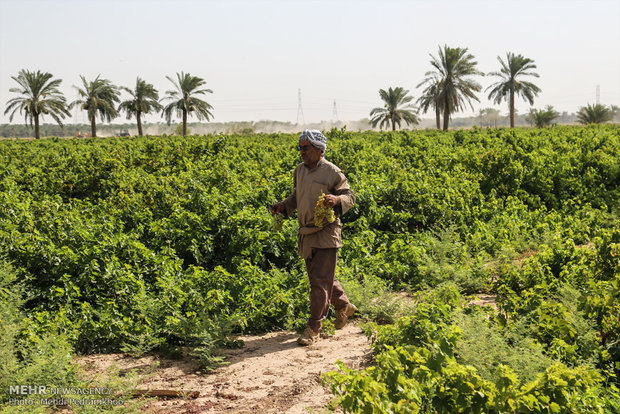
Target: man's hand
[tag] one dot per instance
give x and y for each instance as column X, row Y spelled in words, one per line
column 332, row 200
column 277, row 208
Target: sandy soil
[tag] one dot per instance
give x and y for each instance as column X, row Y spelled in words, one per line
column 270, row 374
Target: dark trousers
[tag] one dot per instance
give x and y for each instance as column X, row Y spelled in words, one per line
column 324, row 288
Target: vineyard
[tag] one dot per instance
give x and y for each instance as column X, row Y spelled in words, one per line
column 166, row 244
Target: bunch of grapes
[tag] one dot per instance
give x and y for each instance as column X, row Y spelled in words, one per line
column 278, row 220
column 322, row 213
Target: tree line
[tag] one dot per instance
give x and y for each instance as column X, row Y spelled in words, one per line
column 450, row 86
column 39, row 95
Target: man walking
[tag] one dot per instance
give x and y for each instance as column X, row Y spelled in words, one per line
column 318, row 246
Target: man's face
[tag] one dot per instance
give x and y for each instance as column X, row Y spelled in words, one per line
column 310, row 155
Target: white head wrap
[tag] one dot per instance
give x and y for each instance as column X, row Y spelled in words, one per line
column 315, row 137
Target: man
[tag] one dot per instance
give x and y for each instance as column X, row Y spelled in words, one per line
column 318, row 246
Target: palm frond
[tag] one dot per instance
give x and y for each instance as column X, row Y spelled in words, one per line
column 594, row 114
column 396, row 108
column 144, row 99
column 512, row 69
column 183, row 98
column 454, row 90
column 39, row 96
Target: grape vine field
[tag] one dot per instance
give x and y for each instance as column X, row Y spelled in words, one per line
column 166, row 244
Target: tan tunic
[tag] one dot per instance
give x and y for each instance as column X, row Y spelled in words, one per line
column 329, row 179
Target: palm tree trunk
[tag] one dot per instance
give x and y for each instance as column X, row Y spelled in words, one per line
column 184, row 122
column 139, row 124
column 393, row 125
column 438, row 116
column 93, row 127
column 512, row 109
column 446, row 117
column 37, row 130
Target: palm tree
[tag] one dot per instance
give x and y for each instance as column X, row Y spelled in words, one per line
column 97, row 96
column 452, row 68
column 40, row 96
column 144, row 99
column 430, row 97
column 542, row 117
column 594, row 114
column 397, row 108
column 184, row 100
column 515, row 66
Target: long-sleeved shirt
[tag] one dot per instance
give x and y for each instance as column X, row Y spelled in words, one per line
column 309, row 183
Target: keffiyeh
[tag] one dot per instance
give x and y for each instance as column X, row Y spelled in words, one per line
column 315, row 137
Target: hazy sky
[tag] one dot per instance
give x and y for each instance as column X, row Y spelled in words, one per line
column 255, row 55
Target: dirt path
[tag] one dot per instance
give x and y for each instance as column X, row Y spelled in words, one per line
column 270, row 374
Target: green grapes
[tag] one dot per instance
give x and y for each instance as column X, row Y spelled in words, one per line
column 278, row 220
column 322, row 213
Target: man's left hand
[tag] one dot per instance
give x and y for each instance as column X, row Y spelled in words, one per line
column 332, row 200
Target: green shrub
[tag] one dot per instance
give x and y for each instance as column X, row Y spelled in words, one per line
column 34, row 360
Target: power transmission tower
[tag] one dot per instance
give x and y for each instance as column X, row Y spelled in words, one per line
column 299, row 110
column 335, row 114
column 598, row 94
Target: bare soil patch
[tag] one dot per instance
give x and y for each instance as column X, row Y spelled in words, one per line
column 483, row 299
column 270, row 374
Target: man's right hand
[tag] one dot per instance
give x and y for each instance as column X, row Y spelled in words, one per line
column 277, row 208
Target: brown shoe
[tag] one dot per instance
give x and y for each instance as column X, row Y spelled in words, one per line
column 309, row 337
column 343, row 314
